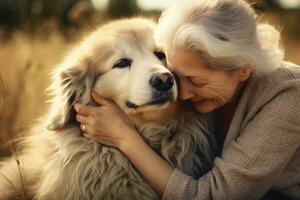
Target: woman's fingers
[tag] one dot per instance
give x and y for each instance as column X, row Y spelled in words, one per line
column 82, row 119
column 86, row 124
column 100, row 100
column 84, row 109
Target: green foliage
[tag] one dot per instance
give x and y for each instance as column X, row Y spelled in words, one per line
column 14, row 12
column 122, row 8
column 271, row 4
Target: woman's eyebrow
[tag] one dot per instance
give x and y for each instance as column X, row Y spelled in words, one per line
column 183, row 72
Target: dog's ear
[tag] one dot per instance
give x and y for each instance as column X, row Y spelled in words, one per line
column 70, row 85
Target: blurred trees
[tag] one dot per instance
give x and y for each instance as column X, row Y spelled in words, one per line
column 269, row 5
column 274, row 10
column 9, row 14
column 122, row 8
column 32, row 12
column 266, row 4
column 66, row 12
column 20, row 12
column 43, row 15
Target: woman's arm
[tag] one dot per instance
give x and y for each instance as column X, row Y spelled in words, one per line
column 109, row 125
column 254, row 162
column 153, row 168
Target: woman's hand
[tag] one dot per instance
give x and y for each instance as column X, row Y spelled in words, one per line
column 106, row 124
column 109, row 125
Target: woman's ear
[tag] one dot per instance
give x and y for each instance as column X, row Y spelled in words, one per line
column 245, row 73
column 69, row 86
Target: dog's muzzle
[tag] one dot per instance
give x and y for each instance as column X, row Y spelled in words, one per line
column 162, row 91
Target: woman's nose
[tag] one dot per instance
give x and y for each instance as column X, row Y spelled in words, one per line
column 185, row 90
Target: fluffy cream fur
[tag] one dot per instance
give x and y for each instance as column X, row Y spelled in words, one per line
column 57, row 163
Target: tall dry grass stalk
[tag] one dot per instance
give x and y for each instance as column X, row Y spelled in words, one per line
column 8, row 125
column 25, row 65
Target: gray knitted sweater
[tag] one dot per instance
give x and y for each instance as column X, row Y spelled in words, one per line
column 262, row 147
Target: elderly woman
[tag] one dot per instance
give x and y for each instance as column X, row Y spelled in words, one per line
column 229, row 65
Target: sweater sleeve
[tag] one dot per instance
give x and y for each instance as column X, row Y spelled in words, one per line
column 251, row 163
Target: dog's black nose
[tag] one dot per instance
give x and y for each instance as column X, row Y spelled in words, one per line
column 162, row 82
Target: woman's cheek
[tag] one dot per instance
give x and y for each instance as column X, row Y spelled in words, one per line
column 203, row 92
column 208, row 92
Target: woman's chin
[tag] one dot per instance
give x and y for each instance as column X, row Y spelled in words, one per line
column 205, row 106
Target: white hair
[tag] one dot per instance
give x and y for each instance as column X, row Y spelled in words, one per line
column 223, row 31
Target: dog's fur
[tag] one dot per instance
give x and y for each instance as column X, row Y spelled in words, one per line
column 59, row 164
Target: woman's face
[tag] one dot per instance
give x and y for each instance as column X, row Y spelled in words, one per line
column 206, row 87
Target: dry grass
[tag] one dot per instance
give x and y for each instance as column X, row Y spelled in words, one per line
column 25, row 65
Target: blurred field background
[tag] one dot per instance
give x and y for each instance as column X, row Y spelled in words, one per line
column 35, row 35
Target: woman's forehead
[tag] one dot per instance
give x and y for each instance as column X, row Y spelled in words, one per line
column 189, row 60
column 179, row 56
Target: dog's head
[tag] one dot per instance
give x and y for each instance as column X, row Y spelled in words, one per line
column 118, row 61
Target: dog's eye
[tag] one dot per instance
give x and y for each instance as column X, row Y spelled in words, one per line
column 160, row 55
column 122, row 63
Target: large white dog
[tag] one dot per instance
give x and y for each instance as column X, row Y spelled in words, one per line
column 119, row 61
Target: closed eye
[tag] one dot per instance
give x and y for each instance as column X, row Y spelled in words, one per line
column 123, row 63
column 160, row 55
column 197, row 81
